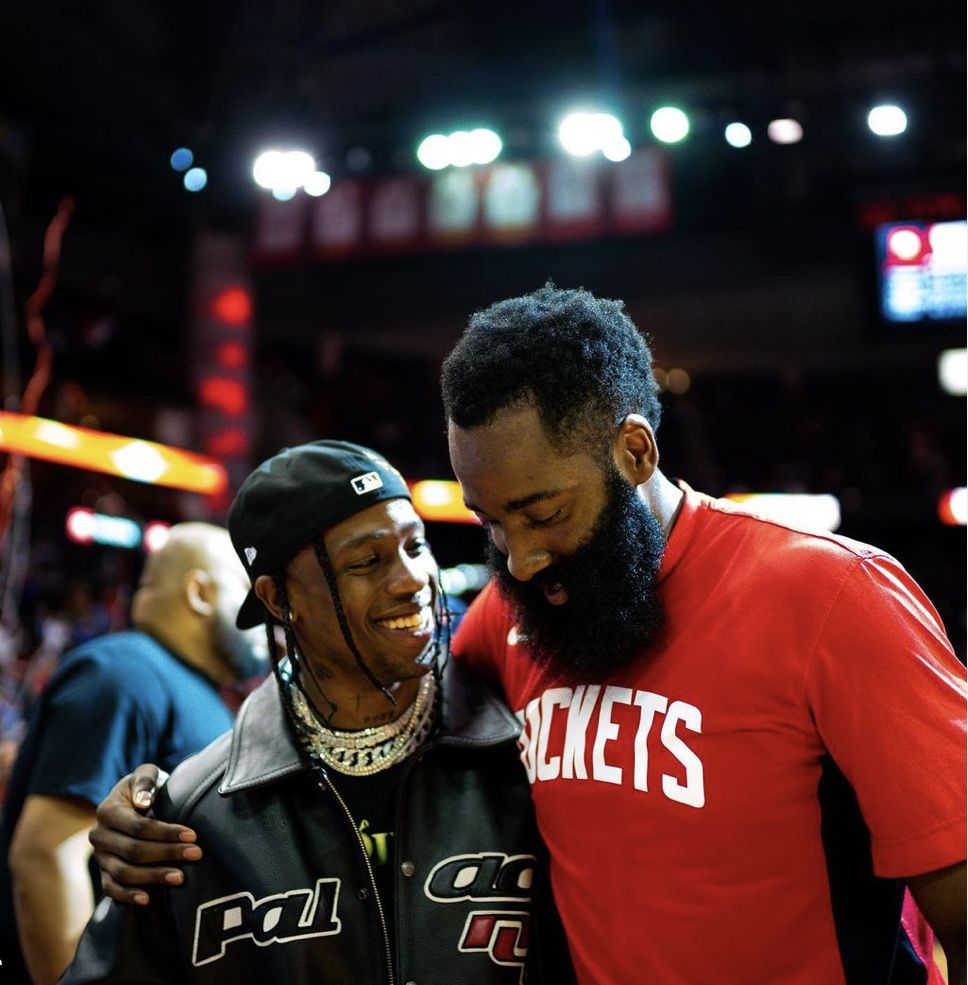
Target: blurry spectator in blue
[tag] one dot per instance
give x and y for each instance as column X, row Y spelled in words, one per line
column 116, row 701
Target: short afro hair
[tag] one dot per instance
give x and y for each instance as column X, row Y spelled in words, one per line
column 578, row 359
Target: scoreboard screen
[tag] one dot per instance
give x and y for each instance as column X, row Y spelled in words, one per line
column 923, row 270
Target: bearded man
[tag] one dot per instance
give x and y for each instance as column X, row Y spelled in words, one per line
column 727, row 721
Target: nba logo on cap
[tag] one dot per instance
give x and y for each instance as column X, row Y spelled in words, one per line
column 366, row 483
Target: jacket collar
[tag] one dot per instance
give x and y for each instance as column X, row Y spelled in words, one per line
column 263, row 749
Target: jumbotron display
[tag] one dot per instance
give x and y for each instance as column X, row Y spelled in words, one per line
column 923, row 270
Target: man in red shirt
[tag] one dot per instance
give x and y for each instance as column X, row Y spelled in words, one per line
column 744, row 740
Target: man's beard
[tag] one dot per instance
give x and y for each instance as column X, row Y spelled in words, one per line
column 613, row 610
column 245, row 651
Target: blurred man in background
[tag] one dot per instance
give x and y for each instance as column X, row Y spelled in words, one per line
column 115, row 701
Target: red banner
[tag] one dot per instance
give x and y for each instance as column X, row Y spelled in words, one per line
column 510, row 202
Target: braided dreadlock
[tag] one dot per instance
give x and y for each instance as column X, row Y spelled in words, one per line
column 323, row 558
column 436, row 668
column 295, row 662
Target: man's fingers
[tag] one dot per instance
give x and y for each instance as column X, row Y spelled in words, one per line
column 144, row 785
column 120, row 894
column 137, row 877
column 113, row 819
column 112, row 845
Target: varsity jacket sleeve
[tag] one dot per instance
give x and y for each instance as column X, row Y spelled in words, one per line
column 127, row 945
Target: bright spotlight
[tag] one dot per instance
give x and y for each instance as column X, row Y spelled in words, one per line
column 182, row 159
column 738, row 135
column 785, row 131
column 298, row 167
column 487, row 145
column 460, row 149
column 434, row 152
column 617, row 149
column 276, row 169
column 887, row 120
column 283, row 193
column 267, row 167
column 953, row 507
column 577, row 134
column 318, row 183
column 195, row 179
column 582, row 133
column 669, row 124
column 155, row 536
column 906, row 244
column 953, row 371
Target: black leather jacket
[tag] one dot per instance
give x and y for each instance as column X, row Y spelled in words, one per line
column 285, row 892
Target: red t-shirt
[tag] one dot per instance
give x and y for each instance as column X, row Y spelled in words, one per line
column 679, row 799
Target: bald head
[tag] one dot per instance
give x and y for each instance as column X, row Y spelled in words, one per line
column 189, row 593
column 192, row 546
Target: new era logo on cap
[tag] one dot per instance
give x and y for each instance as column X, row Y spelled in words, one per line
column 366, row 483
column 250, row 553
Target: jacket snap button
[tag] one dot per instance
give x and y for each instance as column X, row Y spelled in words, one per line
column 364, row 893
column 408, row 869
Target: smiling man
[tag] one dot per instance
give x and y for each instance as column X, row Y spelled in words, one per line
column 744, row 740
column 368, row 819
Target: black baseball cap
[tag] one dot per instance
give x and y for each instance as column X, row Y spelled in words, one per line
column 295, row 497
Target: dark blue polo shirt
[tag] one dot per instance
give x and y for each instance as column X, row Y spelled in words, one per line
column 113, row 703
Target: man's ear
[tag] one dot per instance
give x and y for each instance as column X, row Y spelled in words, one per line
column 267, row 593
column 635, row 451
column 199, row 588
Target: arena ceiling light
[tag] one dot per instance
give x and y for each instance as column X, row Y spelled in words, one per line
column 583, row 133
column 181, row 159
column 738, row 134
column 669, row 124
column 785, row 131
column 433, row 152
column 617, row 149
column 887, row 120
column 953, row 371
column 953, row 507
column 460, row 149
column 283, row 172
column 195, row 179
column 317, row 184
